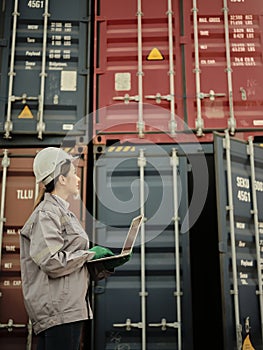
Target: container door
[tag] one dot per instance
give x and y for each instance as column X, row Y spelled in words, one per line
column 146, row 303
column 18, row 191
column 239, row 176
column 44, row 74
column 224, row 76
column 17, row 198
column 136, row 53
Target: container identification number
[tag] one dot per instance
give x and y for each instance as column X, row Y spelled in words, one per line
column 243, row 196
column 243, row 193
column 37, row 4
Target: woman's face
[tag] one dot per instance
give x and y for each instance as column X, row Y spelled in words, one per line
column 72, row 181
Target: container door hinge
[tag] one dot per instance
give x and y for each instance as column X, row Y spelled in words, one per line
column 128, row 324
column 165, row 324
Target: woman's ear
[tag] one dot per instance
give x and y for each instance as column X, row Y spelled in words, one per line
column 62, row 179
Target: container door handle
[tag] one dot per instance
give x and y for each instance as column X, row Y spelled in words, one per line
column 128, row 324
column 163, row 324
column 211, row 95
column 126, row 98
column 10, row 325
column 159, row 97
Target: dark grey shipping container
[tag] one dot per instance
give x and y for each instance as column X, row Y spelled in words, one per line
column 45, row 60
column 239, row 173
column 220, row 291
column 147, row 303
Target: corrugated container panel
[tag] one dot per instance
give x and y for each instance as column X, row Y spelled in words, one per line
column 45, row 67
column 18, row 189
column 146, row 303
column 226, row 58
column 163, row 68
column 239, row 171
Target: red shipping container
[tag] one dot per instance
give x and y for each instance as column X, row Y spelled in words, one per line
column 18, row 189
column 166, row 68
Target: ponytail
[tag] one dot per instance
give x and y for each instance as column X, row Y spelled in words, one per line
column 40, row 197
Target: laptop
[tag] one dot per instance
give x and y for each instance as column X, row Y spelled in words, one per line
column 128, row 243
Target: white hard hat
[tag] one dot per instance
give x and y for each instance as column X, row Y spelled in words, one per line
column 47, row 162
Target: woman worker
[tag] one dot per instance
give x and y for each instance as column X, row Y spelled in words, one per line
column 54, row 249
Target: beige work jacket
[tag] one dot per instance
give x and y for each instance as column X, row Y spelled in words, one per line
column 53, row 255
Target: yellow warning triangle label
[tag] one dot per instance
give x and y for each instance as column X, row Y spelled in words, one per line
column 247, row 344
column 155, row 55
column 26, row 113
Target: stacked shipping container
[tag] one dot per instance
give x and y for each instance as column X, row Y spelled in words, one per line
column 18, row 191
column 200, row 63
column 166, row 75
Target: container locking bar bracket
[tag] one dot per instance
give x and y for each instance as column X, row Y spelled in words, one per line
column 165, row 324
column 128, row 324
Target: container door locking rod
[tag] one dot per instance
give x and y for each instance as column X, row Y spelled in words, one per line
column 199, row 123
column 140, row 123
column 164, row 324
column 230, row 209
column 231, row 120
column 158, row 97
column 174, row 163
column 137, row 98
column 41, row 124
column 254, row 211
column 141, row 164
column 172, row 123
column 8, row 122
column 5, row 165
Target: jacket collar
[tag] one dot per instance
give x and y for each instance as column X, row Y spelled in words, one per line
column 55, row 198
